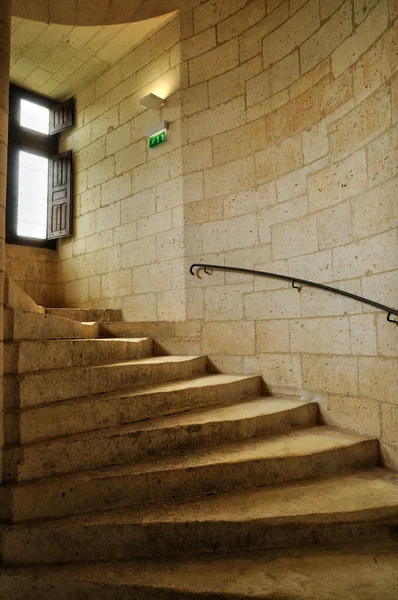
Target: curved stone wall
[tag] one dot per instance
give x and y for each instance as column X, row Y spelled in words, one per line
column 282, row 157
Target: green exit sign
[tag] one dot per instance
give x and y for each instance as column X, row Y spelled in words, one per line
column 157, row 139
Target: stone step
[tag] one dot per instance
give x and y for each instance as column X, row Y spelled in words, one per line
column 16, row 298
column 353, row 572
column 297, row 454
column 22, row 325
column 62, row 384
column 87, row 314
column 341, row 509
column 131, row 405
column 41, row 355
column 164, row 435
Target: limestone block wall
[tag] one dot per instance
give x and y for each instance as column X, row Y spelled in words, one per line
column 283, row 156
column 5, row 19
column 34, row 270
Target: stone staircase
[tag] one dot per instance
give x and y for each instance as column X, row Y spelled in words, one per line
column 133, row 475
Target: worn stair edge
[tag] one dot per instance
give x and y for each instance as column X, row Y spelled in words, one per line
column 41, row 355
column 298, row 454
column 63, row 384
column 136, row 404
column 22, row 325
column 353, row 572
column 339, row 509
column 176, row 433
column 87, row 314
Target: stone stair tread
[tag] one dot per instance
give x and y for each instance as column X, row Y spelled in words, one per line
column 151, row 360
column 353, row 572
column 179, row 384
column 368, row 493
column 243, row 409
column 294, row 443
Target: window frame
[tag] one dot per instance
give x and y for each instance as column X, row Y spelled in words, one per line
column 34, row 142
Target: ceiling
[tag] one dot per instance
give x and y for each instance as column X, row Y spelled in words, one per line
column 96, row 12
column 58, row 60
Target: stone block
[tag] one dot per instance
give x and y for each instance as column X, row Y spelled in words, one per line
column 150, row 174
column 322, row 43
column 250, row 201
column 153, row 70
column 116, row 189
column 335, row 92
column 90, row 155
column 389, row 423
column 107, row 260
column 291, row 34
column 257, row 89
column 97, row 108
column 295, row 237
column 310, row 79
column 194, row 99
column 225, row 303
column 229, row 337
column 116, row 284
column 335, row 226
column 203, row 211
column 152, row 278
column 108, row 80
column 280, row 371
column 108, row 217
column 315, row 267
column 130, row 157
column 318, row 303
column 210, row 13
column 366, row 257
column 272, row 336
column 382, row 163
column 376, row 210
column 387, row 336
column 320, row 336
column 284, row 73
column 315, row 142
column 231, row 84
column 363, row 335
column 228, row 234
column 374, row 114
column 101, row 172
column 378, row 378
column 247, row 139
column 330, row 374
column 381, row 287
column 213, row 63
column 363, row 38
column 138, row 206
column 118, row 139
column 376, row 65
column 165, row 38
column 223, row 117
column 300, row 114
column 195, row 157
column 337, row 182
column 280, row 213
column 241, row 21
column 171, row 244
column 136, row 59
column 193, row 46
column 274, row 161
column 228, row 178
column 139, row 307
column 278, row 304
column 358, row 414
column 154, row 224
column 250, row 41
column 138, row 252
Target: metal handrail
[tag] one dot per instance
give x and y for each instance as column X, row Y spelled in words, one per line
column 390, row 311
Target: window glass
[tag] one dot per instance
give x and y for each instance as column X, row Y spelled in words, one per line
column 32, row 196
column 34, row 116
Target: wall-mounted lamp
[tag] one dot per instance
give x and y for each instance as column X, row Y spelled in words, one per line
column 152, row 101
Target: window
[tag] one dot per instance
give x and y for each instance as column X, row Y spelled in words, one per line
column 39, row 181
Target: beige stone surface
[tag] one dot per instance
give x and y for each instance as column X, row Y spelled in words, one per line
column 267, row 166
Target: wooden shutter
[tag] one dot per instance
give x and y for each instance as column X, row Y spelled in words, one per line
column 60, row 181
column 61, row 116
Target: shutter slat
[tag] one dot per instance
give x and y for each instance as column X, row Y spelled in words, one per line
column 61, row 116
column 60, row 181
